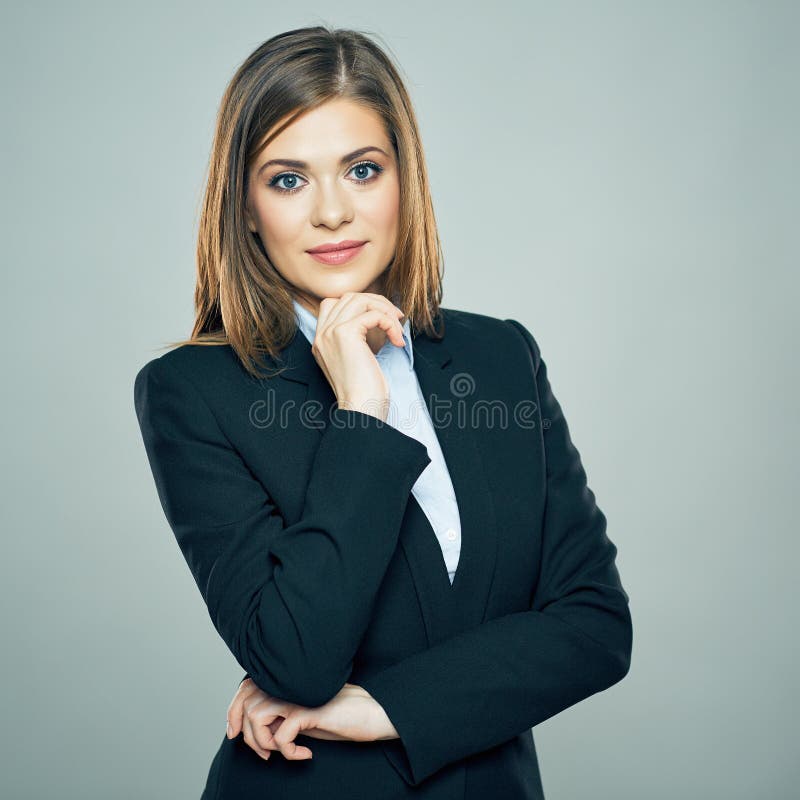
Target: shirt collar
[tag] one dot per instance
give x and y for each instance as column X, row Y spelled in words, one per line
column 307, row 323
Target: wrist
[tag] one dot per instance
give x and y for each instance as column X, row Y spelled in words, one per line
column 385, row 728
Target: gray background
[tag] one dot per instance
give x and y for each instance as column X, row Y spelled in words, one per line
column 622, row 177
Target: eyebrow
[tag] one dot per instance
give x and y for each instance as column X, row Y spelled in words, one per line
column 289, row 162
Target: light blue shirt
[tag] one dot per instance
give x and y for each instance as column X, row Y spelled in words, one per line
column 408, row 413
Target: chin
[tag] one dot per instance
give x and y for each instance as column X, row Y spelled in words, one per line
column 338, row 284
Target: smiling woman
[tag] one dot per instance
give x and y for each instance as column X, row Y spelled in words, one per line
column 316, row 136
column 409, row 592
column 293, row 213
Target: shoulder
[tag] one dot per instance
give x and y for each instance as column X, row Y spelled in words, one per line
column 196, row 370
column 194, row 361
column 473, row 329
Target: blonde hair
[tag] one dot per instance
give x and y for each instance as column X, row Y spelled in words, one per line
column 240, row 298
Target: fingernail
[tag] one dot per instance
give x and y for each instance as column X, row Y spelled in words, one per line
column 230, row 731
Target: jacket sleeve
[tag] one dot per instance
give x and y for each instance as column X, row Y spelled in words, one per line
column 491, row 683
column 292, row 603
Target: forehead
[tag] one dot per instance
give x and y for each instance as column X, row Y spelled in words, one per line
column 328, row 131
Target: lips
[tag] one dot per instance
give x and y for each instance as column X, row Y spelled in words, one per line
column 337, row 255
column 346, row 244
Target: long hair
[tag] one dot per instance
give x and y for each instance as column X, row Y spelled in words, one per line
column 240, row 299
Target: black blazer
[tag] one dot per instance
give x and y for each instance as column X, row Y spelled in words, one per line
column 319, row 567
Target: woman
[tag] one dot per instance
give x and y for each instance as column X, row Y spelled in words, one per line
column 377, row 496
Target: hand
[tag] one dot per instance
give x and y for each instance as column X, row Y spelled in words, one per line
column 342, row 348
column 270, row 723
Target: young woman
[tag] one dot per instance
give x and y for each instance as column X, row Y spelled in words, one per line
column 377, row 496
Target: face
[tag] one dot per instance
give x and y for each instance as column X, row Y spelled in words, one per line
column 342, row 185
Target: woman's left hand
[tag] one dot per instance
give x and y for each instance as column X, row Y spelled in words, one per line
column 270, row 723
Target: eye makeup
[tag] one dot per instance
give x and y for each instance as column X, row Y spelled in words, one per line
column 273, row 182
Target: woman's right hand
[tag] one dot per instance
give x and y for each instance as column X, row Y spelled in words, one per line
column 343, row 353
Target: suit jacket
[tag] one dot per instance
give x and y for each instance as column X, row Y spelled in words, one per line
column 318, row 566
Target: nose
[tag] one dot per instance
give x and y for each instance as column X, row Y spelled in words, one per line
column 332, row 205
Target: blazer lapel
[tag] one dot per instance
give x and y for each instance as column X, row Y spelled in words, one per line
column 291, row 412
column 301, row 367
column 445, row 373
column 441, row 372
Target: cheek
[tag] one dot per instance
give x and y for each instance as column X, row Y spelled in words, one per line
column 385, row 208
column 280, row 223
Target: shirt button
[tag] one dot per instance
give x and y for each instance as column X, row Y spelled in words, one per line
column 451, row 534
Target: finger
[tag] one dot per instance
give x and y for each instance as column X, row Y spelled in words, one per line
column 379, row 319
column 250, row 739
column 401, row 341
column 333, row 307
column 327, row 311
column 364, row 301
column 353, row 303
column 286, row 735
column 263, row 726
column 266, row 718
column 326, row 306
column 393, row 330
column 261, row 711
column 236, row 708
column 395, row 309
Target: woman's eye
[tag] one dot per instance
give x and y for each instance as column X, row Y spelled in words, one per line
column 290, row 177
column 360, row 169
column 289, row 182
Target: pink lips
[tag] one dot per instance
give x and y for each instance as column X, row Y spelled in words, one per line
column 337, row 252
